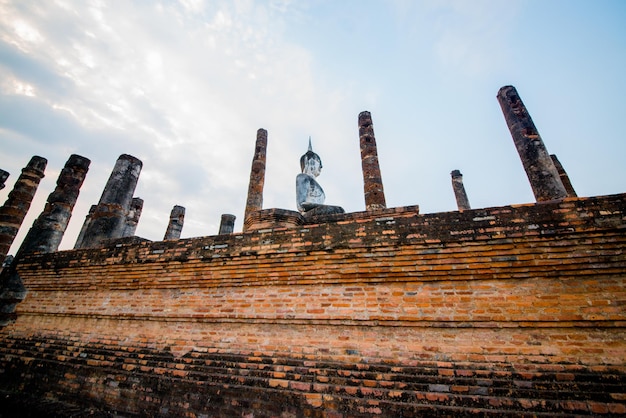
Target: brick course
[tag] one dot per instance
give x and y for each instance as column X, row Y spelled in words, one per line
column 500, row 311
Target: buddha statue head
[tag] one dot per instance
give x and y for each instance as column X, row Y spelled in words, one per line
column 311, row 163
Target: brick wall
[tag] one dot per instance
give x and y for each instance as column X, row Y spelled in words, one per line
column 500, row 311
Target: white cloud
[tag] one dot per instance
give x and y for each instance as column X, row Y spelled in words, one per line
column 27, row 32
column 11, row 85
column 193, row 6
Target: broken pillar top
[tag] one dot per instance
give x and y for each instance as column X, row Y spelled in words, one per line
column 254, row 201
column 227, row 224
column 4, row 175
column 109, row 219
column 372, row 180
column 47, row 231
column 459, row 190
column 37, row 164
column 540, row 169
column 122, row 181
column 175, row 225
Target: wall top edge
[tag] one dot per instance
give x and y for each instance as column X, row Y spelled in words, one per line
column 387, row 227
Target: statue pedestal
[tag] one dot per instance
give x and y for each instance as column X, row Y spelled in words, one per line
column 323, row 210
column 282, row 218
column 272, row 218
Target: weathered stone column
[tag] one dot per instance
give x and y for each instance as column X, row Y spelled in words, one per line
column 459, row 190
column 47, row 231
column 109, row 218
column 372, row 179
column 4, row 175
column 542, row 174
column 564, row 177
column 254, row 201
column 175, row 226
column 83, row 229
column 227, row 225
column 12, row 213
column 132, row 218
column 18, row 202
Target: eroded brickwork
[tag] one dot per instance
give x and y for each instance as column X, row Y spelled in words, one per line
column 48, row 229
column 14, row 210
column 175, row 225
column 500, row 311
column 372, row 179
column 110, row 216
column 542, row 174
column 460, row 195
column 254, row 201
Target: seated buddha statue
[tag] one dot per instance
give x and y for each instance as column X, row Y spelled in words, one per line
column 309, row 194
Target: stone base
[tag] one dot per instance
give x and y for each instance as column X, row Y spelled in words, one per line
column 282, row 218
column 271, row 219
column 322, row 210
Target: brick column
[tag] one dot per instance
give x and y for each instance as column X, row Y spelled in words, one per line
column 109, row 218
column 459, row 190
column 542, row 174
column 254, row 201
column 4, row 175
column 132, row 218
column 175, row 226
column 83, row 229
column 564, row 177
column 18, row 202
column 372, row 180
column 227, row 225
column 47, row 231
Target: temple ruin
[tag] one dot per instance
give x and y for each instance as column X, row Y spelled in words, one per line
column 175, row 226
column 47, row 231
column 132, row 217
column 539, row 166
column 4, row 175
column 227, row 224
column 110, row 216
column 18, row 202
column 372, row 179
column 460, row 195
column 254, row 202
column 502, row 311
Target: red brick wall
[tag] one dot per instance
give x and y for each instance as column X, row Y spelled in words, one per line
column 498, row 311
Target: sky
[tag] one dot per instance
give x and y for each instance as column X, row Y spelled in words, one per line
column 184, row 86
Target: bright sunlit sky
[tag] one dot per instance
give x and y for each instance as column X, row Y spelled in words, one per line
column 184, row 86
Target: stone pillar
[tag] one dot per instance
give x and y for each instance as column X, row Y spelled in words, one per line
column 564, row 177
column 254, row 201
column 372, row 180
column 175, row 226
column 4, row 175
column 109, row 218
column 132, row 218
column 542, row 174
column 47, row 231
column 459, row 190
column 83, row 229
column 227, row 225
column 18, row 202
